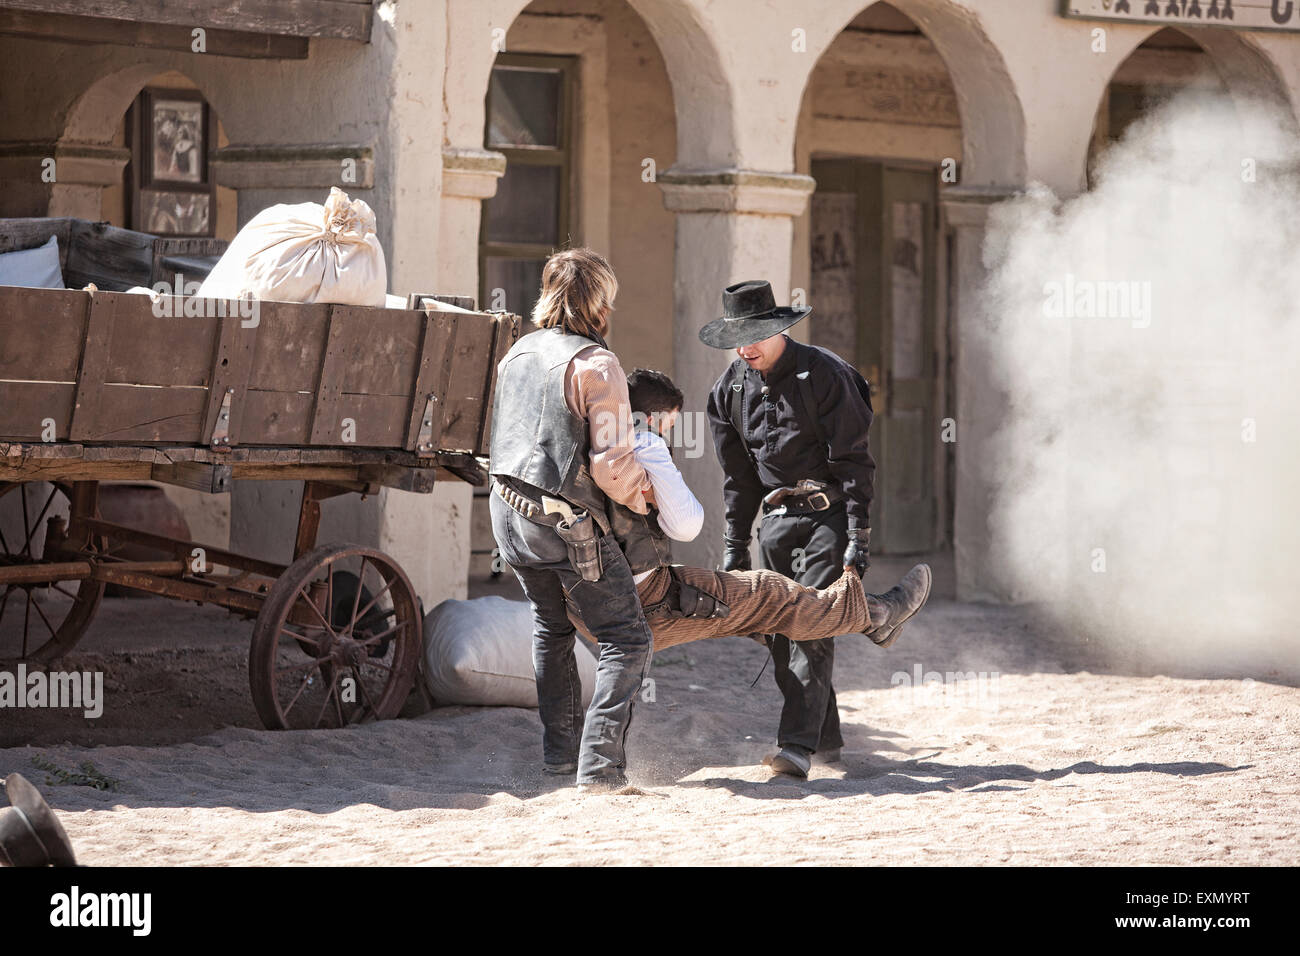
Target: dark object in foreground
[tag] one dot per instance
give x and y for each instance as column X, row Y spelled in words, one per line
column 30, row 833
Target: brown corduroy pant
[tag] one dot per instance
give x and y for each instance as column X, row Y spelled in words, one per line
column 761, row 602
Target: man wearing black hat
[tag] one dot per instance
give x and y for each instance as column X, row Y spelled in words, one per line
column 789, row 424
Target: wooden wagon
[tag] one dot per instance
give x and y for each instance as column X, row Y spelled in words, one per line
column 98, row 386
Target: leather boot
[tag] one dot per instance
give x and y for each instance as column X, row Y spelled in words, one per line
column 890, row 610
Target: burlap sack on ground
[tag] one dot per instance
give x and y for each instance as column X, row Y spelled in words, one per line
column 305, row 253
column 481, row 652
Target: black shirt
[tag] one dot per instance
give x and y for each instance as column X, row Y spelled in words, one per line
column 783, row 439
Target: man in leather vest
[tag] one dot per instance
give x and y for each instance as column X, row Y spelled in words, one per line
column 789, row 424
column 561, row 450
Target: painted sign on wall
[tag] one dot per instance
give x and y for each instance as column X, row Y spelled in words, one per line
column 1241, row 14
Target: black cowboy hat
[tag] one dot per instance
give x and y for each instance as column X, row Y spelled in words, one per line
column 30, row 833
column 749, row 315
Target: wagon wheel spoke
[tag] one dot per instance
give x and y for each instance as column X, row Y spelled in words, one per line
column 312, row 604
column 27, row 531
column 356, row 598
column 27, row 550
column 300, row 637
column 365, row 692
column 375, row 599
column 324, row 705
column 27, row 618
column 303, row 685
column 372, row 662
column 48, row 625
column 61, row 623
column 329, row 589
column 338, row 703
column 376, row 638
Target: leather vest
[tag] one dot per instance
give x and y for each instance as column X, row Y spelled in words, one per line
column 536, row 439
column 642, row 541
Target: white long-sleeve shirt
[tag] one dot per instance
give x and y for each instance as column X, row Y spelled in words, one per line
column 681, row 516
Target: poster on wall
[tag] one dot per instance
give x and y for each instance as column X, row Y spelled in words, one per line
column 834, row 281
column 1241, row 14
column 907, row 291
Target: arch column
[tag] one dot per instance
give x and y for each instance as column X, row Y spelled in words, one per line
column 979, row 405
column 732, row 224
column 469, row 175
column 75, row 183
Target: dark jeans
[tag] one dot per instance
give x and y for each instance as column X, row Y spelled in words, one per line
column 810, row 549
column 612, row 612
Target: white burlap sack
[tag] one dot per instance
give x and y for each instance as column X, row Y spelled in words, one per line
column 481, row 652
column 305, row 253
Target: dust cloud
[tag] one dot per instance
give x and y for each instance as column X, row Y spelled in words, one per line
column 1146, row 335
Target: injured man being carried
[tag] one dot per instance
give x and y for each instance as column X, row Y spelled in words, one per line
column 684, row 604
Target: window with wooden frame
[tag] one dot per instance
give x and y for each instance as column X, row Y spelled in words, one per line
column 530, row 109
column 172, row 191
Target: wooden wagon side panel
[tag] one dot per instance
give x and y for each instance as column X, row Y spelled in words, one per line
column 167, row 348
column 41, row 334
column 463, row 407
column 232, row 365
column 432, row 376
column 276, row 408
column 144, row 373
column 114, row 368
column 505, row 335
column 367, row 374
column 130, row 414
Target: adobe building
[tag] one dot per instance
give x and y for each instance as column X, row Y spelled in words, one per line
column 847, row 152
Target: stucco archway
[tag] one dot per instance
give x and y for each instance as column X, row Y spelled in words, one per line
column 992, row 119
column 685, row 39
column 94, row 115
column 1223, row 63
column 1248, row 72
column 92, row 154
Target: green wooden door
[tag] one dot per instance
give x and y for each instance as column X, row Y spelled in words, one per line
column 874, row 241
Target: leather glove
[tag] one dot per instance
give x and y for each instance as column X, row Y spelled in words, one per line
column 735, row 554
column 856, row 554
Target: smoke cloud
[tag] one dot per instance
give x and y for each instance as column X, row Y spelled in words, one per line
column 1147, row 337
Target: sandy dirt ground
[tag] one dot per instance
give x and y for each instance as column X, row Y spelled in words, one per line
column 1040, row 753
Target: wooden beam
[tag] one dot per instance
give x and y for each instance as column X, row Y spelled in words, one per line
column 344, row 19
column 213, row 479
column 66, row 28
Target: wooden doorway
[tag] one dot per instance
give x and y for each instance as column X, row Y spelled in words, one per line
column 875, row 299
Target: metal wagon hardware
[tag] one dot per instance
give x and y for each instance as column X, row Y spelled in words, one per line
column 101, row 386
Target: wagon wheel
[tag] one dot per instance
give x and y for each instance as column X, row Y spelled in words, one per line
column 42, row 621
column 336, row 642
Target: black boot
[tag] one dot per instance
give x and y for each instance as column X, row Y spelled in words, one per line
column 890, row 610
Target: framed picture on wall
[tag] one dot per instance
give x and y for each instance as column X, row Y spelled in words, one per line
column 177, row 138
column 168, row 213
column 173, row 194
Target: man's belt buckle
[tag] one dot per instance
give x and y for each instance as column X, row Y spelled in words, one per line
column 812, row 501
